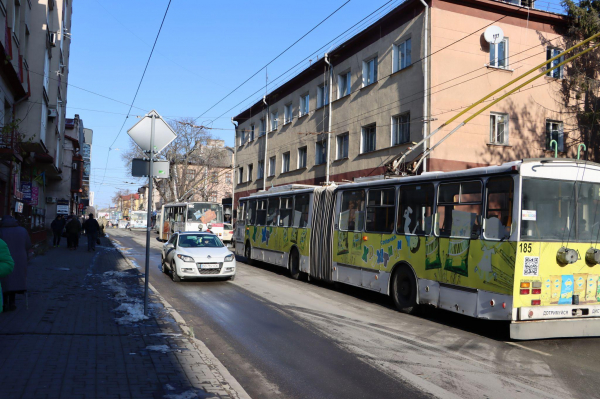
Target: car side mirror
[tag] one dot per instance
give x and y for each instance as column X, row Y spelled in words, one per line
column 169, row 245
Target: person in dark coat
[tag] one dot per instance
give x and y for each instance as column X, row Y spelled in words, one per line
column 19, row 243
column 7, row 265
column 73, row 229
column 57, row 227
column 92, row 228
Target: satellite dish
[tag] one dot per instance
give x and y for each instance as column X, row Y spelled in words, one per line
column 493, row 34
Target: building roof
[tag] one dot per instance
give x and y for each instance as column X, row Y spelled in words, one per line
column 391, row 21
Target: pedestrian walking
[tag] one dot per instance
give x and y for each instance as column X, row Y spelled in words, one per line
column 73, row 228
column 57, row 226
column 92, row 228
column 18, row 242
column 7, row 265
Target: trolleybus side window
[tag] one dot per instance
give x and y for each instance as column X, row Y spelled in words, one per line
column 241, row 212
column 415, row 209
column 285, row 213
column 588, row 212
column 272, row 211
column 301, row 211
column 498, row 209
column 261, row 213
column 380, row 210
column 459, row 208
column 251, row 213
column 352, row 210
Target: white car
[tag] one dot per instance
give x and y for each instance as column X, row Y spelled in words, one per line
column 227, row 233
column 191, row 255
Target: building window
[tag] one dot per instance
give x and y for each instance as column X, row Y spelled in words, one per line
column 322, row 95
column 272, row 166
column 251, row 133
column 402, row 55
column 261, row 170
column 46, row 70
column 344, row 84
column 554, row 131
column 498, row 128
column 301, row 157
column 551, row 53
column 250, row 170
column 228, row 179
column 240, row 175
column 321, row 152
column 287, row 113
column 242, row 137
column 499, row 54
column 274, row 120
column 369, row 71
column 401, row 128
column 190, row 174
column 368, row 139
column 214, row 176
column 263, row 128
column 342, row 146
column 304, row 101
column 44, row 121
column 16, row 15
column 285, row 162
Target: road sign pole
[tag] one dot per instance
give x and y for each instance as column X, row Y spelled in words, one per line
column 149, row 218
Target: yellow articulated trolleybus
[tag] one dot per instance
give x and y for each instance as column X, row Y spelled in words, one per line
column 516, row 242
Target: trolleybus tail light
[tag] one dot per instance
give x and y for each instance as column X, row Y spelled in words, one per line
column 536, row 291
column 535, row 302
column 503, row 305
column 492, row 303
column 524, row 291
column 365, row 238
column 525, row 284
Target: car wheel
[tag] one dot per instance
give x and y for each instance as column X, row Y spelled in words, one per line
column 163, row 267
column 247, row 253
column 231, row 278
column 174, row 276
column 294, row 265
column 404, row 290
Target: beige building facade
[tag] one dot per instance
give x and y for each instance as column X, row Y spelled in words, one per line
column 388, row 91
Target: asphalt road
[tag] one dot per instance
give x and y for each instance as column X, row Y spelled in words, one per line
column 282, row 338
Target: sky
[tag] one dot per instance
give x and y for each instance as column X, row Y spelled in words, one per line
column 205, row 50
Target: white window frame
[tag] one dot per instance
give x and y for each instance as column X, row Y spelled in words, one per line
column 395, row 126
column 322, row 95
column 558, row 72
column 304, row 107
column 285, row 162
column 402, row 55
column 344, row 84
column 494, row 128
column 240, row 175
column 260, row 172
column 274, row 120
column 363, row 132
column 46, row 70
column 272, row 166
column 340, row 137
column 263, row 127
column 287, row 113
column 559, row 129
column 495, row 61
column 370, row 74
column 249, row 172
column 321, row 152
column 251, row 132
column 302, row 157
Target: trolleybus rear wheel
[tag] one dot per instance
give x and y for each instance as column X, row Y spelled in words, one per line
column 294, row 265
column 404, row 290
column 248, row 252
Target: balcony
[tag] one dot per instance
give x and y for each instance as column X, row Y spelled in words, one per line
column 10, row 145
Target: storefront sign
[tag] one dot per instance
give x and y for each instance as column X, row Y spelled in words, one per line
column 26, row 190
column 19, row 207
column 35, row 193
column 62, row 207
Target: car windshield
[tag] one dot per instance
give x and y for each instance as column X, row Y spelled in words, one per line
column 555, row 210
column 205, row 213
column 199, row 241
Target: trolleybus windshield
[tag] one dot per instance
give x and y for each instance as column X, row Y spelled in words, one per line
column 205, row 213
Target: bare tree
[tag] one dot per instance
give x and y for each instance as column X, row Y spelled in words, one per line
column 116, row 198
column 197, row 164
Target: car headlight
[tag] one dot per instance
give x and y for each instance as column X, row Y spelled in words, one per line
column 229, row 258
column 185, row 258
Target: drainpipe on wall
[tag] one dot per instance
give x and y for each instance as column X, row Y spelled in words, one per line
column 329, row 121
column 425, row 42
column 233, row 181
column 266, row 142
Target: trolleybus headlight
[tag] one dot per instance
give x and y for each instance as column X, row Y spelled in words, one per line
column 185, row 258
column 566, row 256
column 229, row 258
column 592, row 256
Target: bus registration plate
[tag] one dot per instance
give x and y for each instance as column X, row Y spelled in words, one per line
column 208, row 265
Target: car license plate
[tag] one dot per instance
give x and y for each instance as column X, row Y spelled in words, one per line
column 209, row 265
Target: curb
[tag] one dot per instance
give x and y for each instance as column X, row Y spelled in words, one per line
column 227, row 380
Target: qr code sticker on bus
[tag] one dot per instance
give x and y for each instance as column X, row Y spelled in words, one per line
column 531, row 266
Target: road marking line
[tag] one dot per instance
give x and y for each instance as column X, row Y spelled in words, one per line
column 529, row 349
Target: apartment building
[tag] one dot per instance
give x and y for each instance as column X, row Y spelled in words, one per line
column 375, row 95
column 33, row 92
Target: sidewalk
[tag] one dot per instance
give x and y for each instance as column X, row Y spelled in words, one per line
column 84, row 336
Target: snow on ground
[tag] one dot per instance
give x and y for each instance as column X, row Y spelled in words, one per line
column 131, row 308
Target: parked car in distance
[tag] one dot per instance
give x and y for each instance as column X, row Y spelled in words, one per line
column 189, row 255
column 227, row 233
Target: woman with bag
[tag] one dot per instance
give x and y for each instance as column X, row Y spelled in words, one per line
column 18, row 242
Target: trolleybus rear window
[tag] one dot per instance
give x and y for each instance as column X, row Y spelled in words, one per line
column 415, row 210
column 273, row 211
column 352, row 210
column 285, row 216
column 380, row 210
column 459, row 207
column 301, row 211
column 261, row 212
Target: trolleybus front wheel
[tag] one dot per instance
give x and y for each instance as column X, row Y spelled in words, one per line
column 247, row 252
column 404, row 290
column 294, row 264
